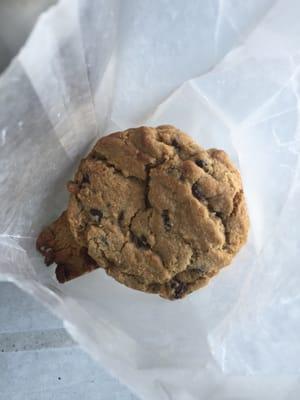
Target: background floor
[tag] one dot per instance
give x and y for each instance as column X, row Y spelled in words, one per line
column 38, row 359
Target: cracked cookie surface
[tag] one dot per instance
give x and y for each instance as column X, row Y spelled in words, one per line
column 157, row 211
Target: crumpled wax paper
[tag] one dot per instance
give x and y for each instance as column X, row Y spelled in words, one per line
column 225, row 71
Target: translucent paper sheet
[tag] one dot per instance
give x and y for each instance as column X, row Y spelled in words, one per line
column 227, row 72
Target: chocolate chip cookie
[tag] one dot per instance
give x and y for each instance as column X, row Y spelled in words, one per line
column 155, row 210
column 57, row 245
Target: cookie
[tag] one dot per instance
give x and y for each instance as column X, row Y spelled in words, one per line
column 156, row 211
column 56, row 243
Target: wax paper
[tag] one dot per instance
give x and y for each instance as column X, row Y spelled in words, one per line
column 226, row 72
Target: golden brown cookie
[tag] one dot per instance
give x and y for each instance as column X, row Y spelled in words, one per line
column 157, row 211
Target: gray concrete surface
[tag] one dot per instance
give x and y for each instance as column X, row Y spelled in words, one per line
column 39, row 360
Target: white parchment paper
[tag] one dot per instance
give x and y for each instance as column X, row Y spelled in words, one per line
column 225, row 71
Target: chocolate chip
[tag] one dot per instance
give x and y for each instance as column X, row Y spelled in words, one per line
column 197, row 191
column 121, row 218
column 199, row 270
column 49, row 257
column 219, row 214
column 62, row 273
column 96, row 215
column 89, row 262
column 86, row 178
column 147, row 185
column 166, row 219
column 93, row 156
column 104, row 240
column 82, row 226
column 140, row 242
column 202, row 164
column 154, row 287
column 174, row 284
column 175, row 144
column 179, row 288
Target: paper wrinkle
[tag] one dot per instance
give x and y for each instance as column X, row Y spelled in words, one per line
column 91, row 67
